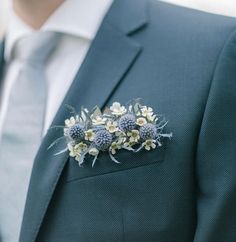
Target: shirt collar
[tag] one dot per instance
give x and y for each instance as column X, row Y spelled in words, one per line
column 74, row 17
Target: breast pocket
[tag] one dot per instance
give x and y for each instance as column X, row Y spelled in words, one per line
column 104, row 165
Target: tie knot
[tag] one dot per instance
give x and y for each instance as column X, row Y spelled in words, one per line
column 36, row 47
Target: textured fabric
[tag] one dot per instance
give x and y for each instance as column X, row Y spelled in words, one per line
column 22, row 129
column 78, row 21
column 182, row 63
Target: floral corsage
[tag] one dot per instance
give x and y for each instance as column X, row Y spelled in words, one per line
column 133, row 127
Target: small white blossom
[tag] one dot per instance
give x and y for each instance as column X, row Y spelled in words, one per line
column 117, row 109
column 146, row 111
column 141, row 121
column 76, row 150
column 89, row 135
column 134, row 136
column 99, row 120
column 152, row 118
column 129, row 144
column 112, row 126
column 71, row 121
column 114, row 147
column 149, row 144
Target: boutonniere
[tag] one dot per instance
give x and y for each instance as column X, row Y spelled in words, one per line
column 133, row 127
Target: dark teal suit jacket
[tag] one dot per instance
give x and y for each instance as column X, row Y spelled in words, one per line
column 181, row 62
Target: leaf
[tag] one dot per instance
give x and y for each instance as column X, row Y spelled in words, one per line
column 170, row 135
column 140, row 148
column 95, row 112
column 94, row 160
column 107, row 112
column 128, row 148
column 81, row 160
column 61, row 152
column 113, row 158
column 71, row 109
column 55, row 142
column 57, row 127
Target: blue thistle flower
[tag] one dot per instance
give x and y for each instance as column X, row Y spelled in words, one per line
column 76, row 132
column 127, row 122
column 148, row 131
column 103, row 140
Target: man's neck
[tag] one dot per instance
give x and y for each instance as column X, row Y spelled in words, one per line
column 35, row 12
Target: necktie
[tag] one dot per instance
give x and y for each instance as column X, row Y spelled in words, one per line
column 22, row 129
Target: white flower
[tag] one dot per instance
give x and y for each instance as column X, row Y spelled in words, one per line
column 152, row 118
column 93, row 151
column 72, row 150
column 112, row 126
column 89, row 135
column 99, row 120
column 117, row 109
column 129, row 144
column 134, row 136
column 76, row 150
column 114, row 147
column 146, row 111
column 141, row 121
column 71, row 121
column 81, row 146
column 149, row 144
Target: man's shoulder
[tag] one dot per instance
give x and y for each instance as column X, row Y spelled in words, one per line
column 175, row 18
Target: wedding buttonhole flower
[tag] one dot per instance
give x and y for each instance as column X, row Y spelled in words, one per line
column 93, row 132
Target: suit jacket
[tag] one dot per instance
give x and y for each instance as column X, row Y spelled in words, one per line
column 181, row 62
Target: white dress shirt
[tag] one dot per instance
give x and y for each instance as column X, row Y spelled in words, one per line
column 78, row 21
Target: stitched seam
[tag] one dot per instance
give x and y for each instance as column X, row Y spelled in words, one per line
column 111, row 172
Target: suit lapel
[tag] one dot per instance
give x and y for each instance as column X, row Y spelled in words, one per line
column 109, row 58
column 1, row 60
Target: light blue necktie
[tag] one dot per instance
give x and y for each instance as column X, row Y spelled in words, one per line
column 22, row 129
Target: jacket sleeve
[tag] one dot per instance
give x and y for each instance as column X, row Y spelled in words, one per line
column 216, row 154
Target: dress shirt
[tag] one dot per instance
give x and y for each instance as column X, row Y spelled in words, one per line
column 78, row 21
